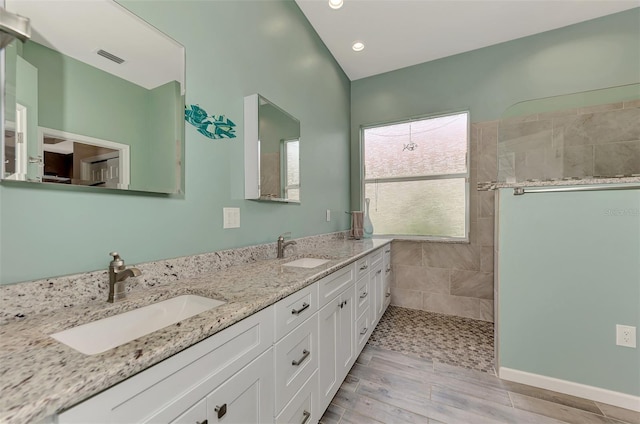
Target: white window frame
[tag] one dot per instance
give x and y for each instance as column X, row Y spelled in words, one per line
column 285, row 166
column 465, row 175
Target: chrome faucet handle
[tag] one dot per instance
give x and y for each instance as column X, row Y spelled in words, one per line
column 286, row 235
column 117, row 261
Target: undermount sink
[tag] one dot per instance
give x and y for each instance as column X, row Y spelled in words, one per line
column 307, row 262
column 107, row 333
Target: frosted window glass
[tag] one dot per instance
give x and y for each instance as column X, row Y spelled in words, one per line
column 427, row 147
column 426, row 207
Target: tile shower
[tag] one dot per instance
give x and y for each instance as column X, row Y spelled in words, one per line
column 600, row 140
column 455, row 278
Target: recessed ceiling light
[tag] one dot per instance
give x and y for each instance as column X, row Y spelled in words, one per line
column 336, row 4
column 358, row 46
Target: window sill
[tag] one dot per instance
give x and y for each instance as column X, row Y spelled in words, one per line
column 425, row 239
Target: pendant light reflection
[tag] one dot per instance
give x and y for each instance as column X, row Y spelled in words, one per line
column 336, row 4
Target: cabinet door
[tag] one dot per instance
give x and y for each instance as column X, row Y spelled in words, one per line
column 329, row 340
column 346, row 342
column 377, row 282
column 388, row 276
column 247, row 397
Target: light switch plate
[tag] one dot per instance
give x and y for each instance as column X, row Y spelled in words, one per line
column 230, row 217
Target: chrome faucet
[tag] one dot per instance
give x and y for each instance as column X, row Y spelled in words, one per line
column 283, row 244
column 118, row 272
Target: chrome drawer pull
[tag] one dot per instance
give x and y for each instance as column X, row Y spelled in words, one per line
column 363, row 295
column 221, row 410
column 364, row 331
column 387, row 251
column 387, row 295
column 306, row 416
column 305, row 353
column 388, row 270
column 363, row 267
column 379, row 272
column 202, row 422
column 305, row 305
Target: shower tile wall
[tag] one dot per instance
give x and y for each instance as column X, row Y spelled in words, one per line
column 455, row 278
column 602, row 140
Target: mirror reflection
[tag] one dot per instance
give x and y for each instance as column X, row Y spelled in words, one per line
column 279, row 135
column 103, row 109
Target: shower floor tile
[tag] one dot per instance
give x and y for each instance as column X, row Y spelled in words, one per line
column 446, row 339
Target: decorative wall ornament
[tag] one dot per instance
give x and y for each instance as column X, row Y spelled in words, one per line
column 212, row 126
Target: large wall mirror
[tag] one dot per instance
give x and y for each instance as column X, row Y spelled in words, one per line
column 272, row 152
column 94, row 98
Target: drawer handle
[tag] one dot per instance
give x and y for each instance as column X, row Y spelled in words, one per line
column 364, row 331
column 379, row 272
column 388, row 270
column 387, row 295
column 387, row 251
column 202, row 422
column 363, row 295
column 305, row 305
column 221, row 410
column 306, row 416
column 305, row 353
column 363, row 267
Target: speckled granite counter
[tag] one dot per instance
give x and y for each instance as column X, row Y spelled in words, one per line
column 40, row 376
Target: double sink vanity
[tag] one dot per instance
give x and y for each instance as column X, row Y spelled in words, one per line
column 268, row 341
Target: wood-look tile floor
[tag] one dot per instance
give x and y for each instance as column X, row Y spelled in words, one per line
column 392, row 387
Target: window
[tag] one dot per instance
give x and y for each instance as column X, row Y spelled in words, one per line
column 415, row 175
column 291, row 174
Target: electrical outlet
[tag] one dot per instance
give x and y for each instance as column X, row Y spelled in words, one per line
column 625, row 335
column 328, row 215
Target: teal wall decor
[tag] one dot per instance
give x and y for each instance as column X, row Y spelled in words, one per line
column 212, row 126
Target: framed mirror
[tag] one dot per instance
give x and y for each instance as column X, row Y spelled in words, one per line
column 272, row 152
column 94, row 98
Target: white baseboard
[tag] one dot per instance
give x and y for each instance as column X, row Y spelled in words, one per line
column 598, row 394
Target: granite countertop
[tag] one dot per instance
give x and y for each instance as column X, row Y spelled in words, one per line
column 40, row 376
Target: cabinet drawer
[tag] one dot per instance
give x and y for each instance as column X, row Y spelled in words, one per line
column 303, row 408
column 331, row 285
column 362, row 267
column 295, row 309
column 296, row 359
column 164, row 391
column 375, row 258
column 363, row 331
column 363, row 294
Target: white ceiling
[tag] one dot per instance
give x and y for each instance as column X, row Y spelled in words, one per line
column 79, row 28
column 401, row 33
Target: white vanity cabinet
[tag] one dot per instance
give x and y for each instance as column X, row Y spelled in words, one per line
column 169, row 390
column 336, row 332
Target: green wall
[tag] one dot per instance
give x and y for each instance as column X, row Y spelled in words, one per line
column 164, row 118
column 233, row 49
column 568, row 274
column 600, row 53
